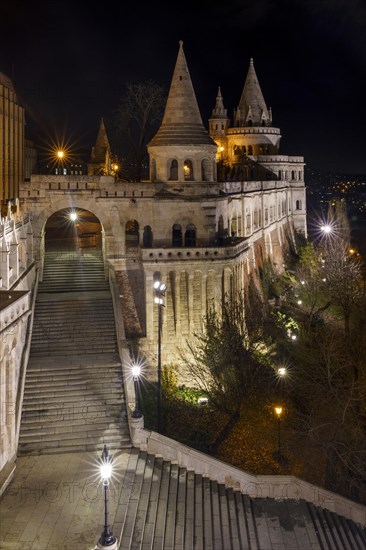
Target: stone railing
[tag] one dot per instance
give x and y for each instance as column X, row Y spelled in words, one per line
column 252, row 186
column 41, row 186
column 211, row 252
column 271, row 486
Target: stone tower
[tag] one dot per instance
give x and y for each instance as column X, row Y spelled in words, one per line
column 182, row 149
column 218, row 124
column 100, row 159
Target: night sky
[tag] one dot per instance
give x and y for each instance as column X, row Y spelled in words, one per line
column 70, row 63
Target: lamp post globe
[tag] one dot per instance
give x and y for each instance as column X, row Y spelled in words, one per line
column 136, row 371
column 107, row 539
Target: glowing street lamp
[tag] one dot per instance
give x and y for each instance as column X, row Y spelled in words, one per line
column 73, row 216
column 107, row 539
column 136, row 371
column 278, row 410
column 326, row 228
column 160, row 289
column 60, row 155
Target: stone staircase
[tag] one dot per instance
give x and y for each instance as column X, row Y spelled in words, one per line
column 73, row 271
column 163, row 506
column 73, row 398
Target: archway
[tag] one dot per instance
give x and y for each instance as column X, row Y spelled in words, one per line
column 73, row 229
column 132, row 234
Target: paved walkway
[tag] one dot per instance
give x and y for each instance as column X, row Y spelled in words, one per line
column 56, row 502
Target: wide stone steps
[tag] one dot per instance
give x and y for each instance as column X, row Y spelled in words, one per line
column 163, row 506
column 73, row 272
column 74, row 397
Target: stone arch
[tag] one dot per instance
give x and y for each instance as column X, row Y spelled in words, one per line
column 72, row 229
column 221, row 233
column 177, row 236
column 172, row 169
column 132, row 234
column 147, row 237
column 206, row 170
column 190, row 235
column 188, row 170
column 110, row 232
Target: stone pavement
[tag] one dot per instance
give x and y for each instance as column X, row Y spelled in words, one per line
column 56, row 502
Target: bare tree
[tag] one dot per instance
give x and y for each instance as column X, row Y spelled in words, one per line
column 138, row 115
column 342, row 270
column 226, row 363
column 329, row 403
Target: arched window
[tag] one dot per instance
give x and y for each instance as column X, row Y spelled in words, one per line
column 190, row 235
column 205, row 168
column 188, row 170
column 298, row 205
column 147, row 237
column 292, row 174
column 132, row 233
column 173, row 170
column 177, row 238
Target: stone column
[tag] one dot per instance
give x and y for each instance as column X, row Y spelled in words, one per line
column 204, row 294
column 218, row 288
column 176, row 298
column 14, row 253
column 4, row 263
column 190, row 303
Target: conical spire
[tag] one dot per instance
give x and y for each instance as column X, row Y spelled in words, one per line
column 219, row 111
column 182, row 122
column 252, row 105
column 101, row 145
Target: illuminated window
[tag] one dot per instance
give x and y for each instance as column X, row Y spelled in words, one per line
column 188, row 170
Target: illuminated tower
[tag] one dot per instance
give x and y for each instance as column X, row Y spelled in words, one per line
column 182, row 149
column 218, row 124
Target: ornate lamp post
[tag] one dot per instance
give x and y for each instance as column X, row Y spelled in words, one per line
column 136, row 371
column 160, row 289
column 107, row 539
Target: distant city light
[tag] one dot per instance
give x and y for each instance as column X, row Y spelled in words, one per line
column 73, row 216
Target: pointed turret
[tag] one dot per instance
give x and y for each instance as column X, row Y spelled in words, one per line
column 100, row 157
column 182, row 122
column 252, row 110
column 218, row 124
column 182, row 149
column 219, row 110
